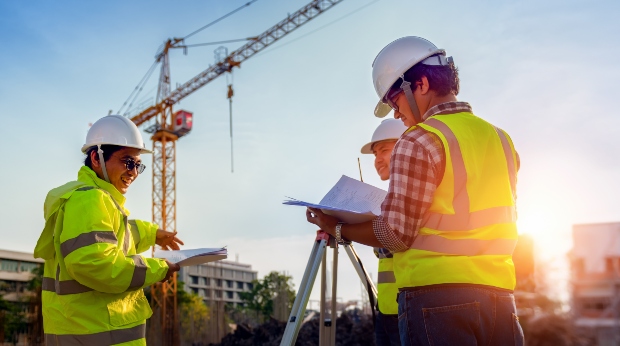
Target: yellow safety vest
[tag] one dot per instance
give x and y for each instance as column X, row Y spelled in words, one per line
column 469, row 232
column 93, row 278
column 387, row 290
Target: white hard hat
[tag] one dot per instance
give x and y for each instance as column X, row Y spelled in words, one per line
column 388, row 129
column 115, row 130
column 395, row 59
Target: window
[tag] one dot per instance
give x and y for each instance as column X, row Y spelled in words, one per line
column 239, row 285
column 8, row 265
column 194, row 290
column 27, row 266
column 250, row 286
column 207, row 293
column 229, row 283
column 227, row 273
column 218, row 282
column 194, row 279
column 207, row 281
column 218, row 294
column 229, row 295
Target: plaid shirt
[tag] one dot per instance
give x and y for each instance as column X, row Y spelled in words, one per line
column 416, row 169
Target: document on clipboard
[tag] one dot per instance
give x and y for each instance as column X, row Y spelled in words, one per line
column 186, row 258
column 350, row 200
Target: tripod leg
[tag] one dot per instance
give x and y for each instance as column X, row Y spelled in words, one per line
column 301, row 300
column 334, row 300
column 360, row 270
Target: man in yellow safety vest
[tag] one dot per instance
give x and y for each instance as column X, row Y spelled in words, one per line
column 450, row 216
column 93, row 277
column 386, row 323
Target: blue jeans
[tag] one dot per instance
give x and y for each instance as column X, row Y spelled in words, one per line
column 458, row 315
column 386, row 330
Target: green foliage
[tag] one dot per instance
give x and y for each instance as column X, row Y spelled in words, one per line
column 13, row 320
column 37, row 279
column 194, row 315
column 266, row 292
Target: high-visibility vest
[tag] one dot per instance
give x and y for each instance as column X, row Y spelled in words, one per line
column 469, row 232
column 387, row 290
column 93, row 277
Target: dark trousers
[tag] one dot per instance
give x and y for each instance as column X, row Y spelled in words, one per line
column 458, row 315
column 386, row 330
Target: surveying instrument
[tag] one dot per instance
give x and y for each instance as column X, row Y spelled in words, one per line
column 327, row 324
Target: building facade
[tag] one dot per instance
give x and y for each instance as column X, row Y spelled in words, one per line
column 15, row 273
column 218, row 281
column 595, row 281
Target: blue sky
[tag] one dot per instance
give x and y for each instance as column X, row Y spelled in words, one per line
column 544, row 71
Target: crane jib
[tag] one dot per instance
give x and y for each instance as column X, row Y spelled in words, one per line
column 262, row 41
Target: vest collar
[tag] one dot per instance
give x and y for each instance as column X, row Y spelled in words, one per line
column 88, row 176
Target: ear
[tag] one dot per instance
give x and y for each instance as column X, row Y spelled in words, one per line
column 94, row 158
column 424, row 86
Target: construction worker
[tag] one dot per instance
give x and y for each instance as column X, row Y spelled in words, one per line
column 449, row 216
column 93, row 275
column 386, row 324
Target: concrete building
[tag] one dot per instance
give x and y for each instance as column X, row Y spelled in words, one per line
column 15, row 272
column 595, row 281
column 218, row 281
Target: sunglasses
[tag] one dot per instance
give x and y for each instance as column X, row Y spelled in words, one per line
column 390, row 98
column 131, row 164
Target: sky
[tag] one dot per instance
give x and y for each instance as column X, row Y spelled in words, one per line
column 544, row 71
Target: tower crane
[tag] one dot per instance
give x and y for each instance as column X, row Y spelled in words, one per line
column 167, row 127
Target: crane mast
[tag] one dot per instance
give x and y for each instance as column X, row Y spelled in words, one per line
column 160, row 117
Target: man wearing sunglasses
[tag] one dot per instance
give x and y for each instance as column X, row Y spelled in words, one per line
column 93, row 280
column 449, row 217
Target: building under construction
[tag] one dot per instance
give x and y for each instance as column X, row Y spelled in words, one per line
column 595, row 281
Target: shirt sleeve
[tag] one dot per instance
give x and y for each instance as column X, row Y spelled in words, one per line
column 93, row 254
column 416, row 169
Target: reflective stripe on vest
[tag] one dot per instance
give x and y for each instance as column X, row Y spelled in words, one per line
column 463, row 219
column 386, row 277
column 111, row 337
column 85, row 239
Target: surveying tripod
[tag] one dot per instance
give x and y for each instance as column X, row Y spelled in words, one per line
column 327, row 324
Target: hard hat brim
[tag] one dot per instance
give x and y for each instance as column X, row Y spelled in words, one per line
column 382, row 109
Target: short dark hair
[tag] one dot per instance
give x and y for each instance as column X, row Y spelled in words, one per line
column 441, row 79
column 108, row 151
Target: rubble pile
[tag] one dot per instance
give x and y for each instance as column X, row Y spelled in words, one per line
column 352, row 330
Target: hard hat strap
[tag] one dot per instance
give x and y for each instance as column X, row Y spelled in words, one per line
column 406, row 87
column 102, row 162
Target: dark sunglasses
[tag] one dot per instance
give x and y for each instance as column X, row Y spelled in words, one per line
column 131, row 164
column 390, row 97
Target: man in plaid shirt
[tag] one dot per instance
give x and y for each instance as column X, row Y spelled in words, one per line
column 455, row 282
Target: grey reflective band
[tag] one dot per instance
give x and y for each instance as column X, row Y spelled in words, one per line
column 139, row 273
column 107, row 338
column 463, row 219
column 64, row 287
column 135, row 233
column 386, row 278
column 464, row 247
column 86, row 239
column 512, row 171
column 85, row 188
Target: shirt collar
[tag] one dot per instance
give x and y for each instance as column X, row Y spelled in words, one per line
column 88, row 176
column 448, row 107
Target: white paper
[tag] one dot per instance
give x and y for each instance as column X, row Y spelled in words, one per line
column 191, row 257
column 350, row 200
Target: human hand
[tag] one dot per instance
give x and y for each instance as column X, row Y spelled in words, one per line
column 172, row 268
column 167, row 240
column 326, row 223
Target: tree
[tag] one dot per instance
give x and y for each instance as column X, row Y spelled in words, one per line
column 194, row 317
column 272, row 296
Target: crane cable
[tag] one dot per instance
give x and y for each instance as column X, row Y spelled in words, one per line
column 137, row 89
column 219, row 19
